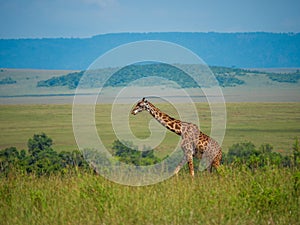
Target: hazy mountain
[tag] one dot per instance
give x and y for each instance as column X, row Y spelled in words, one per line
column 244, row 50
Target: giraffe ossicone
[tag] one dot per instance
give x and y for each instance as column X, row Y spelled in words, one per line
column 194, row 142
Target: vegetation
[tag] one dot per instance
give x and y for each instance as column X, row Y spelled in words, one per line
column 226, row 77
column 285, row 77
column 246, row 154
column 7, row 80
column 129, row 154
column 237, row 197
column 41, row 158
column 70, row 80
column 255, row 185
column 35, row 83
column 47, row 185
column 259, row 123
column 229, row 77
column 239, row 194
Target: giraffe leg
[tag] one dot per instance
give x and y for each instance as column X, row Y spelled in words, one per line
column 216, row 163
column 191, row 165
column 217, row 160
column 180, row 165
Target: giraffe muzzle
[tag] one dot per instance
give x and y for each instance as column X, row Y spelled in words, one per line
column 134, row 112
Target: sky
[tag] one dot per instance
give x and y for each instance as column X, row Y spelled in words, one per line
column 86, row 18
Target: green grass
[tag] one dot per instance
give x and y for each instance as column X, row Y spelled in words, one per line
column 274, row 123
column 20, row 122
column 236, row 197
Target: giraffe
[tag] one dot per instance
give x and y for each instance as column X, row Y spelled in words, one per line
column 194, row 143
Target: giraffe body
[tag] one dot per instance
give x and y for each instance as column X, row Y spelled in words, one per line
column 194, row 143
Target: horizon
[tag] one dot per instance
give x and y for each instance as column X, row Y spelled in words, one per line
column 155, row 32
column 87, row 18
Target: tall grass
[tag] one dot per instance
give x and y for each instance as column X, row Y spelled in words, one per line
column 237, row 196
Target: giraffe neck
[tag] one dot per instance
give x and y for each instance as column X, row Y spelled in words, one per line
column 164, row 119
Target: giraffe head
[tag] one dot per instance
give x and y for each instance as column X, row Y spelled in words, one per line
column 140, row 106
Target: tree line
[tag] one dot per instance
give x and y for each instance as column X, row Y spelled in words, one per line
column 227, row 77
column 249, row 155
column 7, row 80
column 42, row 159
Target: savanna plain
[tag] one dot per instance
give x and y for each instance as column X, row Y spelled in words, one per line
column 232, row 196
column 236, row 194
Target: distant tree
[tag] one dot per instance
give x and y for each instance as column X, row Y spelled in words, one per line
column 265, row 154
column 9, row 158
column 41, row 158
column 7, row 80
column 266, row 148
column 128, row 153
column 243, row 151
column 73, row 159
column 38, row 143
column 44, row 162
column 247, row 154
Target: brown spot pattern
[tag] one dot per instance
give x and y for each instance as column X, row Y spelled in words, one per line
column 194, row 143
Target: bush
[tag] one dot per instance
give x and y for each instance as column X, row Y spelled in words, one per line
column 41, row 158
column 7, row 80
column 247, row 154
column 128, row 153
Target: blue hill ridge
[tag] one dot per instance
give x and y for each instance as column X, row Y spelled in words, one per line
column 242, row 50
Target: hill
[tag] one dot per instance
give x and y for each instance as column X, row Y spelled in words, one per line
column 243, row 50
column 227, row 77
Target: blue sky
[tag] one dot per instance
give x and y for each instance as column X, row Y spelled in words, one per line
column 85, row 18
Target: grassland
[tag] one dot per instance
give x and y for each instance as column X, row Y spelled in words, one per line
column 237, row 196
column 274, row 123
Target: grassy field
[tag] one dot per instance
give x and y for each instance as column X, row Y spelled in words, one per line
column 273, row 123
column 269, row 196
column 234, row 196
